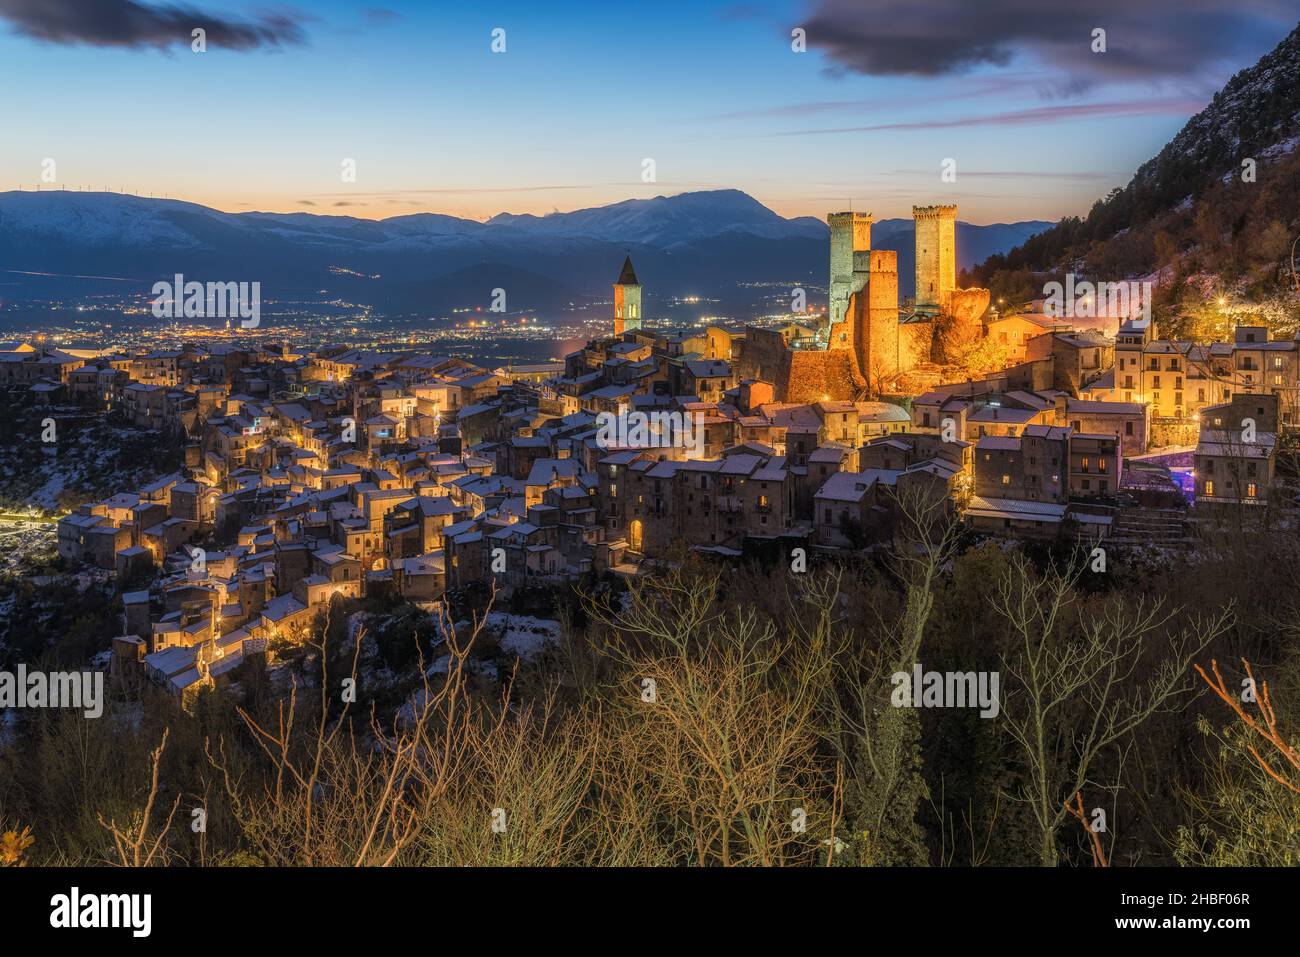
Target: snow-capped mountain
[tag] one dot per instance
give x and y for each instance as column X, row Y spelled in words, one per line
column 669, row 220
column 702, row 243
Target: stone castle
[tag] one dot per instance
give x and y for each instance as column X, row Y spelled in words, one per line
column 869, row 341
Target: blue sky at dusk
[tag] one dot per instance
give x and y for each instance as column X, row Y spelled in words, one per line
column 1038, row 124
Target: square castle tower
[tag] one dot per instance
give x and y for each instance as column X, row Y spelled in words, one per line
column 936, row 257
column 864, row 300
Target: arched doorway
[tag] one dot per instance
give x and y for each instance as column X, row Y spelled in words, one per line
column 634, row 535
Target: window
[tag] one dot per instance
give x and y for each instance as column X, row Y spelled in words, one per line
column 1084, row 463
column 1006, row 479
column 1250, row 490
column 1209, row 488
column 1128, row 428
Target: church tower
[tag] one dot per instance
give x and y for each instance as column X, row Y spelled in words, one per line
column 627, row 300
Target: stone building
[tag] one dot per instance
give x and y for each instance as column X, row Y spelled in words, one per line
column 1236, row 455
column 627, row 300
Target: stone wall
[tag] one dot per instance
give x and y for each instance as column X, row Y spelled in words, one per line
column 832, row 375
column 762, row 354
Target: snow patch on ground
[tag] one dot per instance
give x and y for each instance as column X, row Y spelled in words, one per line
column 522, row 635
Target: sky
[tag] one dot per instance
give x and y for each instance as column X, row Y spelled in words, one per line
column 1036, row 124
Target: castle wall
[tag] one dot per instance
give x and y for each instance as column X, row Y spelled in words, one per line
column 817, row 375
column 763, row 354
column 915, row 344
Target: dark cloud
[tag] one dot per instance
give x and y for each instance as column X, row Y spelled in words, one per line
column 305, row 202
column 125, row 23
column 1145, row 39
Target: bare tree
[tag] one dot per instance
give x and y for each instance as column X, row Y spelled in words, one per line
column 136, row 846
column 1075, row 688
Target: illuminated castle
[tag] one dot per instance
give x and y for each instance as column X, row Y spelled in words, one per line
column 868, row 342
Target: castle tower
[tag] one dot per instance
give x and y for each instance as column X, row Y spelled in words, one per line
column 882, row 331
column 850, row 249
column 627, row 300
column 936, row 256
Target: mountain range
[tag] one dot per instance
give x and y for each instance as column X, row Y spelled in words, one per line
column 56, row 243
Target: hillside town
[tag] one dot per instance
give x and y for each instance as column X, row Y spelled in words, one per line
column 310, row 474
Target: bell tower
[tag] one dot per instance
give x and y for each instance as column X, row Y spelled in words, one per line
column 627, row 300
